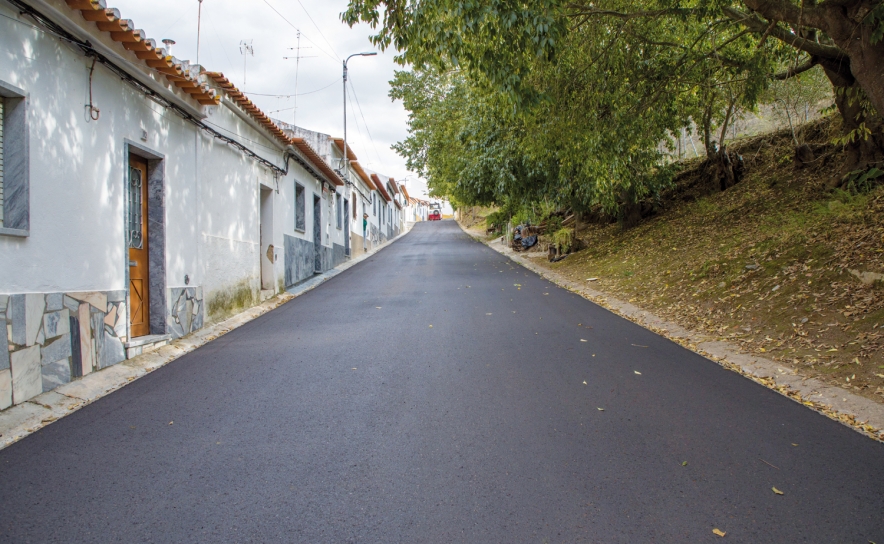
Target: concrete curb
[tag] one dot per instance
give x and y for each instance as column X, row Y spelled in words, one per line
column 26, row 418
column 859, row 413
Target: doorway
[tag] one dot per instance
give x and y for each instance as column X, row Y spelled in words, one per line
column 346, row 228
column 139, row 256
column 268, row 255
column 317, row 234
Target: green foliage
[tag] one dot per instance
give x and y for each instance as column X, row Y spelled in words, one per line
column 570, row 103
column 562, row 239
column 862, row 181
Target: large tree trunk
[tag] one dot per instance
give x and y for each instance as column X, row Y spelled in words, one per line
column 863, row 151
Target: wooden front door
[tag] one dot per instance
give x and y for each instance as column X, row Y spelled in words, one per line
column 139, row 305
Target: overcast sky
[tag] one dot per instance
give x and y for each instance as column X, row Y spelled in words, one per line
column 374, row 121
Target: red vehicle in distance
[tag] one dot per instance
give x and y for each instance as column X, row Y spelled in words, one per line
column 435, row 212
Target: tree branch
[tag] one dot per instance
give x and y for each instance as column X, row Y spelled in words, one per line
column 795, row 70
column 758, row 26
column 580, row 10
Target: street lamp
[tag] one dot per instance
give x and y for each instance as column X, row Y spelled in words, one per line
column 346, row 164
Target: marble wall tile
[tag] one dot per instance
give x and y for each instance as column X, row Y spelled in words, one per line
column 4, row 346
column 27, row 380
column 97, row 299
column 54, row 301
column 76, row 349
column 156, row 245
column 71, row 304
column 117, row 296
column 27, row 317
column 122, row 319
column 97, row 322
column 16, row 314
column 55, row 374
column 112, row 350
column 57, row 350
column 56, row 323
column 5, row 389
column 298, row 259
column 84, row 318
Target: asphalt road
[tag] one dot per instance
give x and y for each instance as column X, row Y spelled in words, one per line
column 438, row 392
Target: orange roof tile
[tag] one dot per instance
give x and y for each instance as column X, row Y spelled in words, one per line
column 380, row 187
column 179, row 73
column 339, row 143
column 362, row 175
column 317, row 161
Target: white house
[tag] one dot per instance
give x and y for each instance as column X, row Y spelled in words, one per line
column 168, row 201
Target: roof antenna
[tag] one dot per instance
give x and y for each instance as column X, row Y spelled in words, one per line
column 246, row 48
column 297, row 58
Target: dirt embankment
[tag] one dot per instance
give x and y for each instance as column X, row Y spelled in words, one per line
column 779, row 263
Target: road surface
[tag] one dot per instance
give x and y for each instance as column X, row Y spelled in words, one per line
column 437, row 392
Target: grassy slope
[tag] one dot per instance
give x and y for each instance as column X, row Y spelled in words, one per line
column 799, row 306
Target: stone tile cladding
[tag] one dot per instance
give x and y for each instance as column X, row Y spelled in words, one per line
column 185, row 310
column 53, row 338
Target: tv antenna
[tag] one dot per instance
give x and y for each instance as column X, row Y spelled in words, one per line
column 246, row 48
column 297, row 58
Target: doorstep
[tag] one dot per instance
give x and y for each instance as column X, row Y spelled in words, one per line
column 145, row 344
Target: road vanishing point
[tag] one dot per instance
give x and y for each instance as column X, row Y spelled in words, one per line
column 438, row 392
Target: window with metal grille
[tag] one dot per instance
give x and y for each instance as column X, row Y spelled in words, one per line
column 136, row 235
column 300, row 217
column 339, row 214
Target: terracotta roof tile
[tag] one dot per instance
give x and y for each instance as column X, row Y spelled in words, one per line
column 123, row 31
column 362, row 175
column 380, row 187
column 339, row 143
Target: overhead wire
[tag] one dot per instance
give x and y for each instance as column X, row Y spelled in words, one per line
column 335, row 82
column 323, row 51
column 364, row 122
column 317, row 29
column 48, row 25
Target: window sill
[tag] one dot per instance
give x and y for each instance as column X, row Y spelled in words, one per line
column 302, row 231
column 19, row 233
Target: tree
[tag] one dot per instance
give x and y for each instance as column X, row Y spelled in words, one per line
column 498, row 43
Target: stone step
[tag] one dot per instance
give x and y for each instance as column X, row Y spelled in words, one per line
column 145, row 344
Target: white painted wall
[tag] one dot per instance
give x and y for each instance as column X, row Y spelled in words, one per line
column 78, row 177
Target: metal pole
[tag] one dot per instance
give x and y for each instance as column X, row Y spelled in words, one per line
column 199, row 17
column 346, row 166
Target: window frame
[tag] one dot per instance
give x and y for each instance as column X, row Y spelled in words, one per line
column 16, row 220
column 300, row 208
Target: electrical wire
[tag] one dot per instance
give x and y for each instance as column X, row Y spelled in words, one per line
column 324, row 52
column 48, row 25
column 364, row 122
column 317, row 29
column 335, row 82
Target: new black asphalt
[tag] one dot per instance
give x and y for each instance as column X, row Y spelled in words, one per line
column 437, row 392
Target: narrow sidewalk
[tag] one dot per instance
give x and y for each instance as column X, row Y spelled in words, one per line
column 861, row 414
column 26, row 418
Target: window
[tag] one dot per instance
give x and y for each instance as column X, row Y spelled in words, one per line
column 300, row 217
column 136, row 234
column 354, row 206
column 339, row 214
column 14, row 161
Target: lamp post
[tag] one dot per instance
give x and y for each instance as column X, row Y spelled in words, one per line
column 346, row 164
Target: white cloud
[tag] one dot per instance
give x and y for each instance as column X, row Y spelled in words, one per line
column 227, row 22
